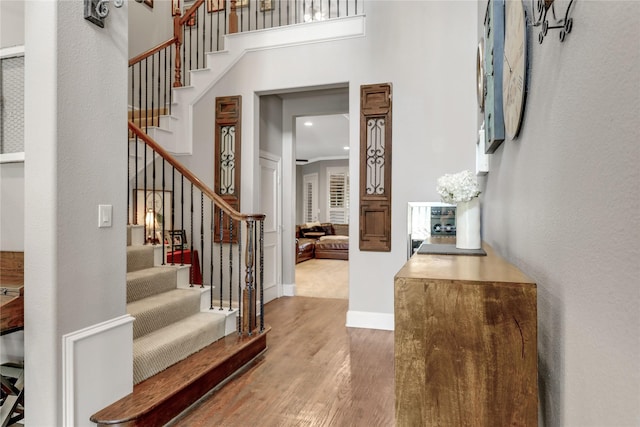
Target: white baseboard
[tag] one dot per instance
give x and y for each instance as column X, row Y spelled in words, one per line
column 97, row 368
column 370, row 320
column 270, row 293
column 289, row 290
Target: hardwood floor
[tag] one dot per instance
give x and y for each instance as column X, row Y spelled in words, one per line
column 323, row 278
column 316, row 372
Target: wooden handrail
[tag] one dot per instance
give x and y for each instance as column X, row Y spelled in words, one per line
column 192, row 178
column 151, row 51
column 189, row 12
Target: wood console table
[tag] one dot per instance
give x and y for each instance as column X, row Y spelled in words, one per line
column 465, row 342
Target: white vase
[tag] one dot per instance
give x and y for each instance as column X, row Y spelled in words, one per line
column 468, row 224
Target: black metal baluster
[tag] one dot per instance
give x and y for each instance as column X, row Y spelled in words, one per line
column 211, row 32
column 153, row 77
column 164, row 213
column 279, row 13
column 183, row 47
column 133, row 95
column 182, row 217
column 339, row 9
column 164, row 86
column 146, row 96
column 171, row 53
column 221, row 240
column 135, row 174
column 144, row 196
column 190, row 55
column 218, row 14
column 159, row 84
column 128, row 177
column 231, row 256
column 139, row 98
column 153, row 195
column 191, row 244
column 211, row 234
column 195, row 15
column 239, row 262
column 202, row 235
column 173, row 212
column 225, row 17
column 261, row 275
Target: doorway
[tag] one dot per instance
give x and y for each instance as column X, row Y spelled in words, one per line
column 280, row 135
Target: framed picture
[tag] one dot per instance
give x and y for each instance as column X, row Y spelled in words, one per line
column 175, row 8
column 266, row 5
column 242, row 3
column 175, row 238
column 148, row 3
column 215, row 5
column 153, row 202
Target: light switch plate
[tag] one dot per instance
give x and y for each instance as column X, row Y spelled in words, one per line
column 104, row 216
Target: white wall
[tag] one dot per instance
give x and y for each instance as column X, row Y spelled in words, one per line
column 11, row 23
column 561, row 202
column 271, row 124
column 430, row 63
column 12, row 207
column 149, row 26
column 75, row 140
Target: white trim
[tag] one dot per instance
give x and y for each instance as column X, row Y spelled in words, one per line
column 289, row 290
column 271, row 293
column 270, row 156
column 12, row 157
column 370, row 320
column 321, row 159
column 9, row 52
column 70, row 343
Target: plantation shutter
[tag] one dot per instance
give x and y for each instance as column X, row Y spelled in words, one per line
column 310, row 197
column 338, row 194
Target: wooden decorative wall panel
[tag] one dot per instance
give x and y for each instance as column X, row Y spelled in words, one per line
column 228, row 160
column 375, row 167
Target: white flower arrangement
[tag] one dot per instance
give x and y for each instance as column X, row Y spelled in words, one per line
column 458, row 187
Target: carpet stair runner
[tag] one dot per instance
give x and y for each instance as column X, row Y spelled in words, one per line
column 169, row 324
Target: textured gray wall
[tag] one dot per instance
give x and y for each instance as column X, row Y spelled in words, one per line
column 562, row 202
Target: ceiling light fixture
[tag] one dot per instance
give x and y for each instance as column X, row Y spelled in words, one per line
column 346, row 147
column 308, row 124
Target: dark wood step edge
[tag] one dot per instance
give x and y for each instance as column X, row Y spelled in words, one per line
column 164, row 396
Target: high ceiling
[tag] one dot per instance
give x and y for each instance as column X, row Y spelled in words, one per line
column 325, row 138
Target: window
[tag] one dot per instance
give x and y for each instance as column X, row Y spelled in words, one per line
column 310, row 197
column 338, row 195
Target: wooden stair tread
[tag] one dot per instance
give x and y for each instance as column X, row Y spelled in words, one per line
column 162, row 397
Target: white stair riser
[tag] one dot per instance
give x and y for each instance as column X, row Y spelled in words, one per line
column 137, row 235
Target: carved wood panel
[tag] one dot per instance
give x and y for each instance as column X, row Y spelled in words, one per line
column 375, row 167
column 227, row 161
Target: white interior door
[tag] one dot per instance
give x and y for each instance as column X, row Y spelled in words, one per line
column 270, row 205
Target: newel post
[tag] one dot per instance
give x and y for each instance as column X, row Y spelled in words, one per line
column 248, row 295
column 233, row 18
column 177, row 33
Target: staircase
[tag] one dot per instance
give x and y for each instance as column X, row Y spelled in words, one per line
column 182, row 348
column 169, row 322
